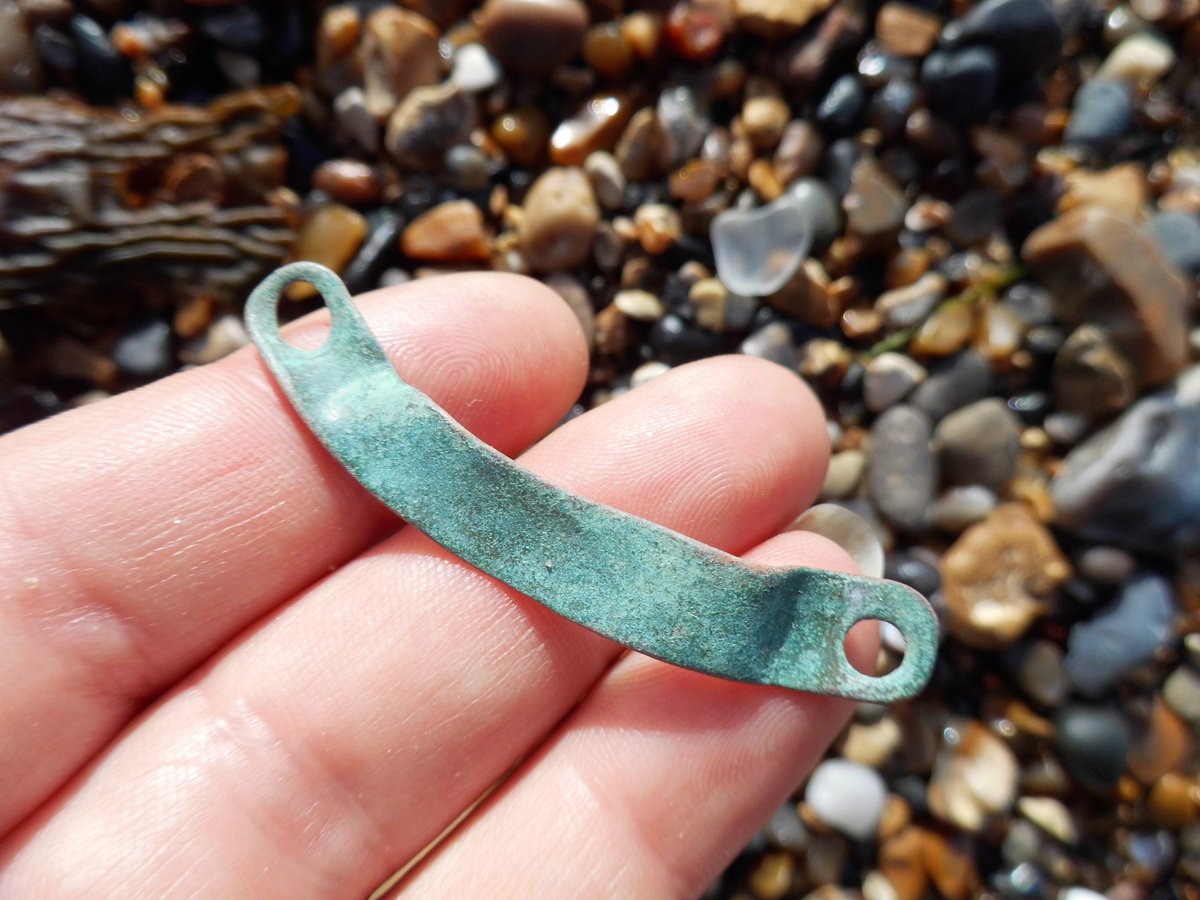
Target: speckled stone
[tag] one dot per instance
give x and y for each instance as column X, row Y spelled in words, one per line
column 902, row 474
column 560, row 220
column 979, row 444
column 428, row 121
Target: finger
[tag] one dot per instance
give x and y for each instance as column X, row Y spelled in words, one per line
column 140, row 534
column 658, row 779
column 365, row 716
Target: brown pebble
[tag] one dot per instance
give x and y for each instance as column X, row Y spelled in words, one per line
column 450, row 232
column 761, row 177
column 875, row 205
column 951, row 866
column 696, row 31
column 696, row 180
column 1122, row 190
column 799, row 153
column 596, row 126
column 643, row 30
column 772, row 876
column 560, row 220
column 946, row 331
column 658, row 227
column 522, row 134
column 1091, row 378
column 974, row 778
column 348, row 181
column 644, row 149
column 606, row 49
column 997, row 575
column 330, row 236
column 1102, row 269
column 193, row 317
column 337, row 35
column 902, row 862
column 1164, row 745
column 906, row 30
column 533, row 37
column 399, row 53
column 427, row 123
column 20, row 62
column 777, row 18
column 614, row 332
column 1174, row 801
column 999, row 333
column 809, row 297
column 764, row 119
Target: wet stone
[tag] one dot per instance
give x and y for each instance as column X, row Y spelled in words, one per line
column 533, row 37
column 1104, row 271
column 847, row 797
column 997, row 576
column 560, row 220
column 979, row 444
column 842, row 107
column 1093, row 743
column 1101, row 113
column 902, row 474
column 596, row 126
column 348, row 181
column 1139, row 469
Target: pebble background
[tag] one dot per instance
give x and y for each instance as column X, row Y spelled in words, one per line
column 972, row 228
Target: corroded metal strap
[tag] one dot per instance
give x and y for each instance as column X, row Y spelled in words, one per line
column 630, row 580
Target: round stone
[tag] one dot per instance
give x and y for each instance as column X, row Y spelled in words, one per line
column 1094, row 744
column 847, row 797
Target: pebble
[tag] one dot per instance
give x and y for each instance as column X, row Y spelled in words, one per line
column 1139, row 469
column 1143, row 57
column 997, row 576
column 533, row 37
column 961, row 507
column 560, row 220
column 679, row 111
column 777, row 18
column 1177, row 236
column 875, row 204
column 354, row 122
column 962, row 84
column 144, row 352
column 1025, row 33
column 451, row 232
column 909, row 306
column 348, row 181
column 849, row 531
column 1164, row 745
column 225, row 335
column 1039, row 672
column 1181, row 691
column 902, row 864
column 428, row 121
column 1120, row 189
column 962, row 380
column 596, row 126
column 772, row 876
column 523, row 134
column 979, row 444
column 330, row 236
column 658, row 227
column 1103, row 270
column 608, row 181
column 1108, row 566
column 399, row 53
column 1093, row 743
column 902, row 473
column 643, row 150
column 607, row 50
column 475, row 69
column 1101, row 113
column 774, row 342
column 847, row 797
column 758, row 250
column 468, row 168
column 786, row 829
column 820, row 206
column 1091, row 378
column 842, row 107
column 906, row 30
column 639, row 305
column 889, row 378
column 1174, row 801
column 20, row 69
column 647, row 371
column 945, row 332
column 974, row 777
column 872, row 744
column 1127, row 634
column 844, row 475
column 799, row 152
column 764, row 119
column 1051, row 816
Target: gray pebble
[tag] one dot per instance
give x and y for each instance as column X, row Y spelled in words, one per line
column 1125, row 635
column 908, row 306
column 964, row 379
column 1177, row 235
column 902, row 473
column 980, row 444
column 1100, row 114
column 773, row 342
column 844, row 475
column 1093, row 743
column 961, row 507
column 1105, row 565
column 145, row 351
column 1141, row 469
column 1181, row 691
column 1040, row 673
column 889, row 378
column 608, row 181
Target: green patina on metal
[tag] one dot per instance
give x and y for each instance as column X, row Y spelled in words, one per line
column 630, row 580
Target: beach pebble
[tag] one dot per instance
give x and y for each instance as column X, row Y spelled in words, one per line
column 962, row 84
column 428, row 121
column 1177, row 236
column 902, row 473
column 979, row 444
column 1143, row 57
column 475, row 69
column 1181, row 691
column 1091, row 378
column 1039, row 672
column 1050, row 815
column 847, row 797
column 844, row 475
column 450, row 232
column 560, row 220
column 144, row 352
column 773, row 341
column 399, row 53
column 906, row 30
column 875, row 204
column 1108, row 566
column 777, row 18
column 1101, row 113
column 1126, row 634
column 889, row 378
column 533, row 37
column 974, row 777
column 1093, row 743
column 998, row 574
column 961, row 507
column 1025, row 33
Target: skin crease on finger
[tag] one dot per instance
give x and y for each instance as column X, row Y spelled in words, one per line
column 336, row 739
column 140, row 534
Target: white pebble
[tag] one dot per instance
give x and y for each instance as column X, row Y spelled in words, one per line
column 475, row 69
column 847, row 797
column 1140, row 57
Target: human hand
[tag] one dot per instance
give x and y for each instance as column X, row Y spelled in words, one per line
column 224, row 672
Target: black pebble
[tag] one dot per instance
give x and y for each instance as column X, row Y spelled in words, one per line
column 1093, row 743
column 843, row 106
column 962, row 84
column 1026, row 34
column 104, row 74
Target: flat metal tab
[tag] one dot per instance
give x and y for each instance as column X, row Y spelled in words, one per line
column 635, row 582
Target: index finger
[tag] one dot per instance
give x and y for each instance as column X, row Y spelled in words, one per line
column 139, row 535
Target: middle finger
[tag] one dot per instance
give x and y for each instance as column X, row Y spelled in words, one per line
column 338, row 739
